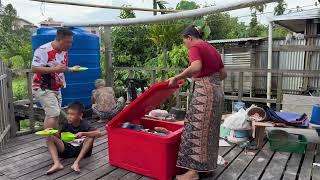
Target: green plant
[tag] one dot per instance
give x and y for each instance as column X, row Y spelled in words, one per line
column 19, row 86
column 25, row 124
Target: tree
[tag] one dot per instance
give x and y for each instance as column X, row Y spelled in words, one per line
column 124, row 14
column 15, row 41
column 280, row 8
column 187, row 5
column 164, row 36
column 223, row 26
column 131, row 47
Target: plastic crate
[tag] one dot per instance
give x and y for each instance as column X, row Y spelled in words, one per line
column 286, row 142
column 144, row 153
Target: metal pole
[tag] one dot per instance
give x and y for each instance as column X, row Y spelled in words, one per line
column 105, row 6
column 269, row 76
column 108, row 57
column 174, row 16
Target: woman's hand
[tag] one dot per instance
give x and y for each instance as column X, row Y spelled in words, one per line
column 173, row 81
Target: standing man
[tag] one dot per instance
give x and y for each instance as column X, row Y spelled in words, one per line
column 49, row 63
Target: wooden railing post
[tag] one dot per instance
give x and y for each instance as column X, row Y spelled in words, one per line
column 178, row 99
column 30, row 97
column 130, row 75
column 163, row 74
column 240, row 87
column 13, row 124
column 279, row 91
column 153, row 76
column 108, row 57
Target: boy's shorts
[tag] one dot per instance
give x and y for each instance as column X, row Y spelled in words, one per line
column 71, row 151
column 49, row 100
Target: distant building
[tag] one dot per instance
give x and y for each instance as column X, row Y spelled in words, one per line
column 22, row 23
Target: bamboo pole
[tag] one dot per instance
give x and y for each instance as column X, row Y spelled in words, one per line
column 174, row 16
column 105, row 6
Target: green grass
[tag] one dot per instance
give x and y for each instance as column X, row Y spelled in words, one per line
column 25, row 124
column 19, row 86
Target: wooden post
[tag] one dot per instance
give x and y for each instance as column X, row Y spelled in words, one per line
column 130, row 75
column 13, row 124
column 178, row 99
column 31, row 112
column 155, row 6
column 108, row 57
column 279, row 92
column 223, row 60
column 163, row 75
column 240, row 88
column 153, row 77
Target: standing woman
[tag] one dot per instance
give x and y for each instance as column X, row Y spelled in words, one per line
column 200, row 139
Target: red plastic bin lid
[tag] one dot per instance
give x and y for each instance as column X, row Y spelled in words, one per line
column 150, row 99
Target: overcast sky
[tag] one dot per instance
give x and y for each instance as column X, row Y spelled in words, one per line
column 36, row 12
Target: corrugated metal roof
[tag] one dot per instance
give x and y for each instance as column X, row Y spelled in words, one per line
column 220, row 41
column 296, row 21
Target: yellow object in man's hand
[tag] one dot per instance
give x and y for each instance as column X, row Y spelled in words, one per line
column 77, row 68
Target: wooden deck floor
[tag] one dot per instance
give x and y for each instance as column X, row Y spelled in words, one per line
column 26, row 157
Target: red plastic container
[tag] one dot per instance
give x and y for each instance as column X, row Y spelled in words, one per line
column 140, row 152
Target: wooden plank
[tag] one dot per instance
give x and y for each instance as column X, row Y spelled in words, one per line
column 230, row 157
column 292, row 167
column 20, row 151
column 145, row 178
column 98, row 173
column 43, row 166
column 316, row 169
column 305, row 171
column 67, row 167
column 224, row 150
column 235, row 170
column 131, row 176
column 258, row 164
column 23, row 156
column 40, row 172
column 116, row 174
column 96, row 147
column 276, row 167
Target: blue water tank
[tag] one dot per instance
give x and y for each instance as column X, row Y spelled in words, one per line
column 85, row 51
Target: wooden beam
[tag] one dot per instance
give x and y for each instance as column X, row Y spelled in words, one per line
column 290, row 48
column 108, row 57
column 232, row 69
column 105, row 6
column 173, row 16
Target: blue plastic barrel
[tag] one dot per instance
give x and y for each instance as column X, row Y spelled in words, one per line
column 85, row 51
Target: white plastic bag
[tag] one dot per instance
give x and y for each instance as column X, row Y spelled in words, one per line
column 221, row 161
column 237, row 121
